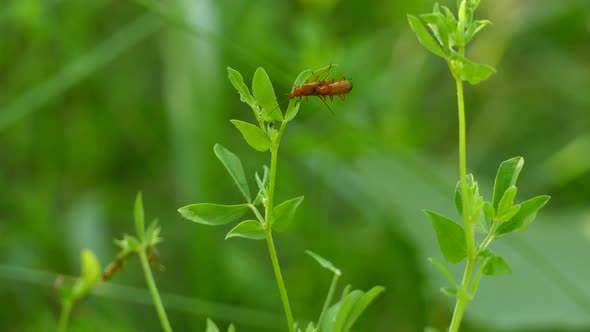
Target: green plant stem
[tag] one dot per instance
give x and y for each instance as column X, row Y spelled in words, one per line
column 463, row 296
column 64, row 317
column 328, row 299
column 268, row 228
column 257, row 213
column 149, row 278
column 275, row 264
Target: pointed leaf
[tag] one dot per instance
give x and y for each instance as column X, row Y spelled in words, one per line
column 233, row 165
column 213, row 214
column 474, row 28
column 91, row 273
column 249, row 229
column 346, row 307
column 152, row 234
column 488, row 211
column 510, row 213
column 505, row 178
column 231, row 328
column 459, row 196
column 425, row 37
column 362, row 304
column 507, row 200
column 211, row 327
column 310, row 327
column 284, row 213
column 475, row 73
column 437, row 23
column 450, row 236
column 237, row 81
column 324, row 262
column 525, row 216
column 256, row 137
column 265, row 96
column 128, row 244
column 138, row 216
column 496, row 265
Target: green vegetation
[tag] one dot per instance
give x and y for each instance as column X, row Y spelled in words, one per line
column 100, row 99
column 491, row 218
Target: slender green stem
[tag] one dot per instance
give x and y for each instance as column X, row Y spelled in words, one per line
column 64, row 317
column 257, row 214
column 463, row 295
column 275, row 263
column 149, row 278
column 328, row 299
column 271, row 185
column 268, row 229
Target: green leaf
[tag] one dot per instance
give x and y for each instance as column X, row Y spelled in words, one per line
column 138, row 216
column 474, row 28
column 437, row 23
column 495, row 266
column 231, row 328
column 444, row 270
column 507, row 200
column 292, row 109
column 345, row 291
column 310, row 327
column 152, row 234
column 249, row 229
column 265, row 96
column 128, row 245
column 213, row 214
column 303, row 77
column 285, row 212
column 233, row 165
column 346, row 306
column 91, row 273
column 450, row 236
column 256, row 137
column 361, row 304
column 505, row 178
column 425, row 37
column 294, row 104
column 237, row 81
column 211, row 327
column 470, row 189
column 525, row 215
column 488, row 211
column 324, row 262
column 475, row 73
column 510, row 213
column 322, row 73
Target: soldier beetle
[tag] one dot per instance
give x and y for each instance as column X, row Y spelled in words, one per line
column 331, row 89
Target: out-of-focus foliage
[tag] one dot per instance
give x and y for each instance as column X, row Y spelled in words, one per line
column 100, row 99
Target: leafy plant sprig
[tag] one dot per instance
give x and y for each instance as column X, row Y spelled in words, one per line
column 144, row 245
column 212, row 327
column 341, row 316
column 262, row 136
column 448, row 38
column 89, row 276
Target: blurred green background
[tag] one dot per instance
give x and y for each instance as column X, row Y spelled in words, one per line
column 100, row 99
